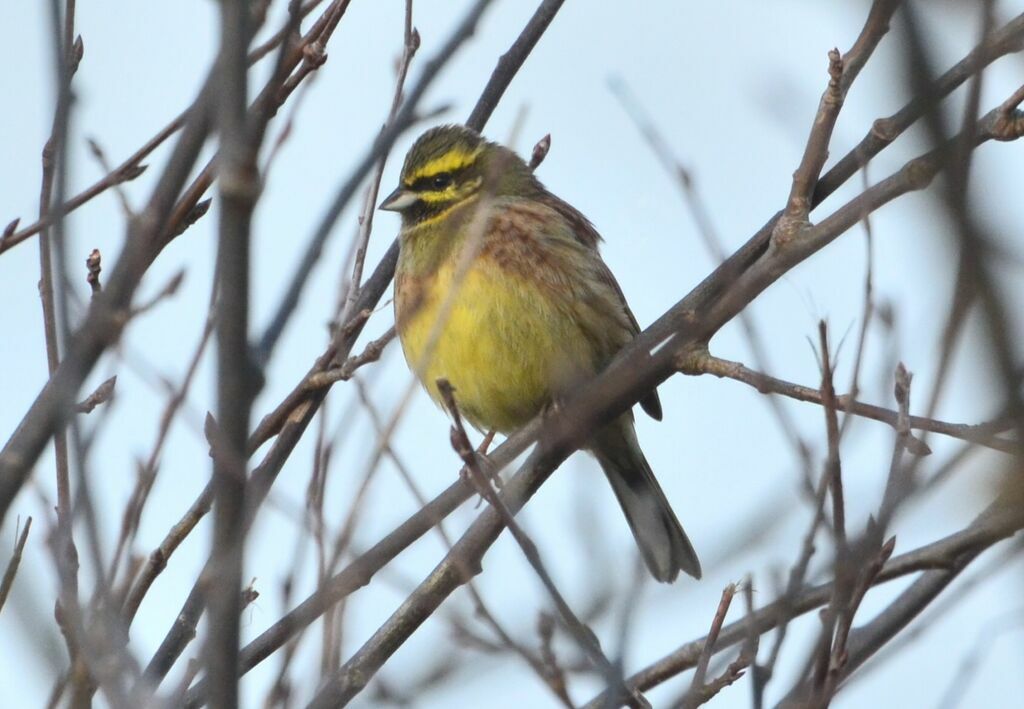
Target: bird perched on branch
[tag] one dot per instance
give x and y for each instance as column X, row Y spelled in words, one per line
column 501, row 290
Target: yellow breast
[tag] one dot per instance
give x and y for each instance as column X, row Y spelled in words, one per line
column 507, row 344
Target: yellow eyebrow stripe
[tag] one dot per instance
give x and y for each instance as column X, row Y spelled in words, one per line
column 449, row 162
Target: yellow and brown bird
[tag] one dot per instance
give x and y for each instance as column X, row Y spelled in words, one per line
column 501, row 290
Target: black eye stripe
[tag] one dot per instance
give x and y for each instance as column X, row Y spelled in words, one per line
column 437, row 181
column 433, row 182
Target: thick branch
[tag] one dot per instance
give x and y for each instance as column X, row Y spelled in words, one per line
column 239, row 189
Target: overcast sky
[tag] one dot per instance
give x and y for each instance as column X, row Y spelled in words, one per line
column 733, row 86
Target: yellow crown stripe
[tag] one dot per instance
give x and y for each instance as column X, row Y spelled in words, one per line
column 449, row 162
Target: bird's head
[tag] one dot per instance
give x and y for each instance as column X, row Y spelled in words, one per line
column 450, row 164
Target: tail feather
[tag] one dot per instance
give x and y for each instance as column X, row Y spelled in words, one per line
column 663, row 544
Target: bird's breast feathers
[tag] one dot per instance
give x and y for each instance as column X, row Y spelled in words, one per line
column 501, row 343
column 526, row 320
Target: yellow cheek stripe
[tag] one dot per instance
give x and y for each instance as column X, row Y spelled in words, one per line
column 433, row 219
column 449, row 162
column 436, row 197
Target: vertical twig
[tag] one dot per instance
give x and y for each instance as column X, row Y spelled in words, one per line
column 67, row 54
column 583, row 635
column 239, row 190
column 700, row 673
column 410, row 43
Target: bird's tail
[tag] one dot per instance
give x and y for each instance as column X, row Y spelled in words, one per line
column 663, row 544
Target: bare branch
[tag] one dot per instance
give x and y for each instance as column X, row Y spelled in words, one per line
column 236, row 380
column 12, row 565
column 371, row 353
column 700, row 691
column 948, row 555
column 583, row 635
column 982, row 433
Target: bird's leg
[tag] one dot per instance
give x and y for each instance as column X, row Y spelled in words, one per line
column 476, row 469
column 483, row 464
column 486, row 443
column 553, row 407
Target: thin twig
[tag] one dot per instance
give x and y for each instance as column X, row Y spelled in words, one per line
column 583, row 635
column 989, row 528
column 132, row 166
column 67, row 54
column 542, row 666
column 402, row 120
column 411, row 43
column 699, row 691
column 642, row 365
column 982, row 433
column 371, row 353
column 12, row 565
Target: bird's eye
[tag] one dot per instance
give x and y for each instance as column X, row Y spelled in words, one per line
column 441, row 180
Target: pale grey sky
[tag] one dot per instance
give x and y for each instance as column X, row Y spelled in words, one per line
column 733, row 86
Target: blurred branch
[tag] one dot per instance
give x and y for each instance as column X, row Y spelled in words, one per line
column 298, row 418
column 68, row 51
column 12, row 565
column 137, row 585
column 651, row 358
column 544, row 666
column 119, row 192
column 239, row 184
column 148, row 234
column 946, row 556
column 510, row 62
column 132, row 166
column 686, row 181
column 404, row 118
column 102, row 324
column 481, row 481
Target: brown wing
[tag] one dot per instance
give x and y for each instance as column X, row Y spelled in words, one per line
column 585, row 232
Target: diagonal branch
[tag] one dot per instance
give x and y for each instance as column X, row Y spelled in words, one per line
column 941, row 557
column 650, row 359
column 579, row 631
column 295, row 421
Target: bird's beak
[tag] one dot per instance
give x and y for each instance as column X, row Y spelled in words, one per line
column 398, row 200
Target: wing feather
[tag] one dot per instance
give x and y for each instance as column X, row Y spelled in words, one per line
column 568, row 254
